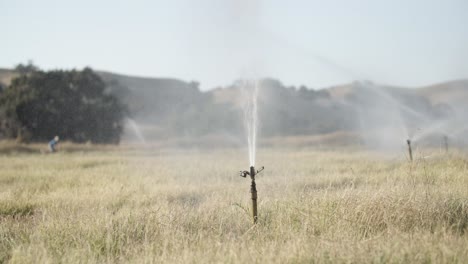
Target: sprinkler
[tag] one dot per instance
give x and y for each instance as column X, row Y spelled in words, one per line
column 253, row 189
column 446, row 143
column 410, row 151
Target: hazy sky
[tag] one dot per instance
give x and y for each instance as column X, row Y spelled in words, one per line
column 316, row 43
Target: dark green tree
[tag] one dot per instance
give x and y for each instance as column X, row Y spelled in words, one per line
column 71, row 104
column 26, row 69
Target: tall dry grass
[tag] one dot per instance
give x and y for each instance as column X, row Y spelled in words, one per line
column 148, row 206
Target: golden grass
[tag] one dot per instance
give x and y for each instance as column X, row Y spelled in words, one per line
column 125, row 205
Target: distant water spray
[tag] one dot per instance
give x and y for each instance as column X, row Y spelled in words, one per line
column 436, row 127
column 250, row 105
column 459, row 131
column 136, row 130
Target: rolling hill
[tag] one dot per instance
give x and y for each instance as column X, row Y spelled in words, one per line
column 163, row 108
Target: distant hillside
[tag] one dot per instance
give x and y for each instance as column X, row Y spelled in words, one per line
column 153, row 99
column 448, row 92
column 6, row 75
column 163, row 108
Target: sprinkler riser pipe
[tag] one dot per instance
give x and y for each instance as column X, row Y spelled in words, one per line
column 253, row 192
column 410, row 150
column 446, row 144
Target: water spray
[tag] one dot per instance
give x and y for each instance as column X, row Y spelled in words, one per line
column 410, row 151
column 250, row 91
column 253, row 189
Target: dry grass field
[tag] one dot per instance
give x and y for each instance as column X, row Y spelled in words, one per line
column 125, row 205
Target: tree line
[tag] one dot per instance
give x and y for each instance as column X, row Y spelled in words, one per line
column 37, row 105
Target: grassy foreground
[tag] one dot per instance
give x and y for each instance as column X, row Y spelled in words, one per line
column 120, row 206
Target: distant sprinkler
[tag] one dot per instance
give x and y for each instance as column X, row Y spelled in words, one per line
column 253, row 189
column 446, row 143
column 410, row 151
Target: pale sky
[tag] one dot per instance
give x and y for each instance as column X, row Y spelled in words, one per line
column 315, row 43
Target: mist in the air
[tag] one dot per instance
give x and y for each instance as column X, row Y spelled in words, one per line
column 308, row 95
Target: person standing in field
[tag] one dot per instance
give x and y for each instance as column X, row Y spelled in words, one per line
column 53, row 143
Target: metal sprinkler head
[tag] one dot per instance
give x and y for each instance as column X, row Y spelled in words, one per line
column 244, row 173
column 251, row 173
